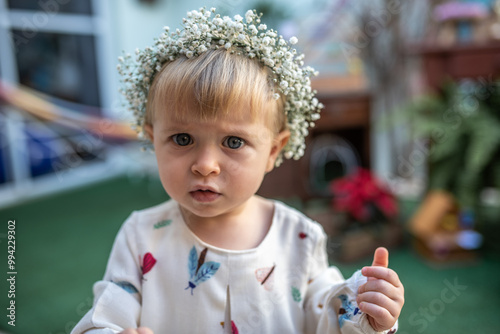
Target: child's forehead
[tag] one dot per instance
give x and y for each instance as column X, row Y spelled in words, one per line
column 236, row 114
column 240, row 123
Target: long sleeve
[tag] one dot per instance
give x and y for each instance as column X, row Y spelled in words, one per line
column 330, row 305
column 117, row 298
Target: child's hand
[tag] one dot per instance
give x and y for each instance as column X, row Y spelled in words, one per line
column 382, row 297
column 140, row 330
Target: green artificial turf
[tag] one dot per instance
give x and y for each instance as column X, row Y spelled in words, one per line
column 63, row 241
column 62, row 245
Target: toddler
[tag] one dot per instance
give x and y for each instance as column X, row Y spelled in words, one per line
column 223, row 102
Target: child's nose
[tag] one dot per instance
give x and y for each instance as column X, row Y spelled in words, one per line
column 206, row 162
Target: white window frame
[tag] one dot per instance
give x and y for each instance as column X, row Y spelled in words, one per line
column 22, row 186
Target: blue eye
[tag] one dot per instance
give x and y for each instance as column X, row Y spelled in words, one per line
column 182, row 139
column 234, row 142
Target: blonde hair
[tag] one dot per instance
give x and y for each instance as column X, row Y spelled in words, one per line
column 214, row 84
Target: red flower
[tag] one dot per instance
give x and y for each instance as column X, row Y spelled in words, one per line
column 359, row 192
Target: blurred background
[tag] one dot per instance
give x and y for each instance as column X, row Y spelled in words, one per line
column 406, row 153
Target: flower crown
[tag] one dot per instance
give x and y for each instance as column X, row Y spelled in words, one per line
column 251, row 38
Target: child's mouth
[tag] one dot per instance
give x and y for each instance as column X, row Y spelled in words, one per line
column 204, row 196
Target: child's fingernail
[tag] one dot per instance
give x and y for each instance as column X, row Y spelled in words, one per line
column 363, row 270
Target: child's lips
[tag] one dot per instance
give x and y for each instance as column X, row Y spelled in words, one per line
column 204, row 196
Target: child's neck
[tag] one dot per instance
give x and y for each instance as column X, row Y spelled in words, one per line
column 243, row 229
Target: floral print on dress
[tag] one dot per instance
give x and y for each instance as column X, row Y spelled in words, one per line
column 296, row 294
column 265, row 277
column 162, row 223
column 199, row 270
column 234, row 329
column 129, row 287
column 148, row 262
column 347, row 310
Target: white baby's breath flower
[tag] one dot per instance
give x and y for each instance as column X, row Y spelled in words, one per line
column 253, row 29
column 249, row 16
column 269, row 62
column 293, row 40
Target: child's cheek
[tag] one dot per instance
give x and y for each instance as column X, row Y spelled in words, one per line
column 233, row 167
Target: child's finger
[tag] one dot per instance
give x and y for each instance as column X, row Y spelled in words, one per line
column 129, row 331
column 381, row 300
column 381, row 257
column 385, row 274
column 144, row 330
column 381, row 286
column 380, row 315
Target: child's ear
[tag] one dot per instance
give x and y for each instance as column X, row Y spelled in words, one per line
column 278, row 144
column 149, row 131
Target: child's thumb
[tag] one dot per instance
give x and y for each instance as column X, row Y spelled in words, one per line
column 381, row 257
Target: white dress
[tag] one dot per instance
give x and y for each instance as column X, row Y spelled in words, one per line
column 162, row 276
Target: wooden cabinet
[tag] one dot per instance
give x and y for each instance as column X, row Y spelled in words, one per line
column 475, row 61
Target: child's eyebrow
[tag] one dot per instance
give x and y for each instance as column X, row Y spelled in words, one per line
column 239, row 131
column 235, row 130
column 175, row 126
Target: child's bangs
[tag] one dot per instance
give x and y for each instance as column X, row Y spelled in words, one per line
column 212, row 86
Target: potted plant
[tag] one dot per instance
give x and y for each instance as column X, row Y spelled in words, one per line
column 461, row 125
column 368, row 212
